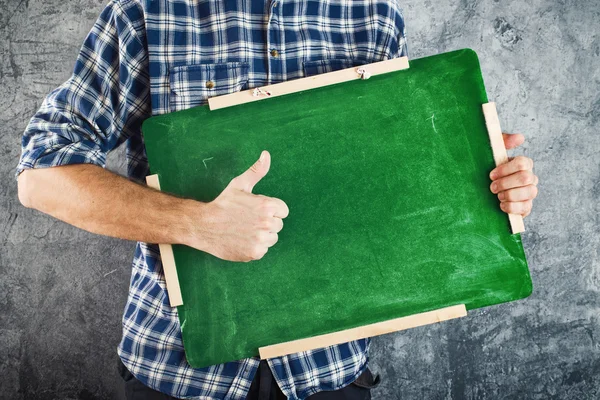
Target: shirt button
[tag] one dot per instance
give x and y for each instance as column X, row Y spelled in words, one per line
column 210, row 84
column 274, row 53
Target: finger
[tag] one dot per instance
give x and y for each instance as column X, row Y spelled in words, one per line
column 278, row 207
column 275, row 225
column 282, row 210
column 518, row 179
column 519, row 194
column 254, row 174
column 517, row 207
column 271, row 224
column 519, row 163
column 271, row 239
column 512, row 140
column 275, row 207
column 259, row 252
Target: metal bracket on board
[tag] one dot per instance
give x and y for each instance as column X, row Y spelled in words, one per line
column 168, row 259
column 312, row 82
column 500, row 156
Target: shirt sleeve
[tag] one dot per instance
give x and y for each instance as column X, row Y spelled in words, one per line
column 402, row 45
column 104, row 101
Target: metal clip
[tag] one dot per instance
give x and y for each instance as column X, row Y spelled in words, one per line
column 364, row 74
column 258, row 91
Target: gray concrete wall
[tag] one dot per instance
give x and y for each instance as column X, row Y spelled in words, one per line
column 62, row 290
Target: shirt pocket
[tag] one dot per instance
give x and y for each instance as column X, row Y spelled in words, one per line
column 328, row 65
column 192, row 85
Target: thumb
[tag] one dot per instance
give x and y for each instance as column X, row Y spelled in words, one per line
column 254, row 174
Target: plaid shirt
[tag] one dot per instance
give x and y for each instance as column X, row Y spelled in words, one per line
column 149, row 57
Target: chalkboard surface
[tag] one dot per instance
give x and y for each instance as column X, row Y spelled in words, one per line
column 387, row 184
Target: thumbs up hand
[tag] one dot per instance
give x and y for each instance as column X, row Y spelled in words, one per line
column 239, row 225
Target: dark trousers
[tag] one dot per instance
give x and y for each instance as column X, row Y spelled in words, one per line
column 263, row 387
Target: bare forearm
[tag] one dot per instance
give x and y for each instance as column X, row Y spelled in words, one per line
column 236, row 226
column 99, row 201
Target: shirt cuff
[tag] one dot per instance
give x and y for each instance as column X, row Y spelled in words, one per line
column 69, row 154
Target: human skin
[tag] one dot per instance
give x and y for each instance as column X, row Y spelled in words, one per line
column 514, row 182
column 237, row 226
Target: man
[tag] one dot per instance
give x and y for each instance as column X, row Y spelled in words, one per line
column 146, row 58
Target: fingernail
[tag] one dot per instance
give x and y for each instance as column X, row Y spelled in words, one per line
column 262, row 156
column 493, row 175
column 501, row 196
column 494, row 187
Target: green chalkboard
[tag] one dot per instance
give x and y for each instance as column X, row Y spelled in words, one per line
column 387, row 184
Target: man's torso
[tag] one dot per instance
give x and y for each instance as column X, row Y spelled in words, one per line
column 201, row 49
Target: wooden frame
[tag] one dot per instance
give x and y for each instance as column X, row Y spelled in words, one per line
column 168, row 259
column 362, row 332
column 492, row 123
column 312, row 82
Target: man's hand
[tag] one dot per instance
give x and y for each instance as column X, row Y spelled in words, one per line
column 514, row 182
column 239, row 225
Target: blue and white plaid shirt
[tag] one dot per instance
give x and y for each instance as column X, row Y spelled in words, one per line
column 149, row 57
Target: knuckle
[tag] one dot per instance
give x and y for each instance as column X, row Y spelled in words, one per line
column 264, row 201
column 263, row 237
column 265, row 204
column 509, row 195
column 510, row 207
column 264, row 223
column 525, row 178
column 257, row 237
column 257, row 253
column 522, row 163
column 517, row 208
column 534, row 191
column 279, row 207
column 530, row 177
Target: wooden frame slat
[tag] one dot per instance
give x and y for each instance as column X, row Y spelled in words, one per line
column 312, row 82
column 168, row 259
column 492, row 123
column 362, row 332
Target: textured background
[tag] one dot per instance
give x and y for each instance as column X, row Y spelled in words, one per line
column 62, row 290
